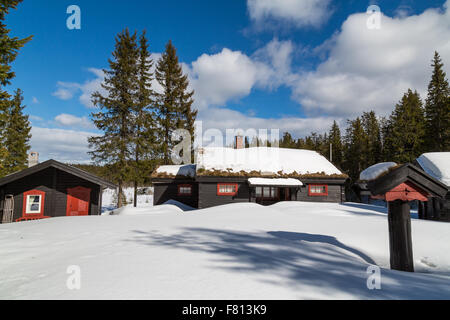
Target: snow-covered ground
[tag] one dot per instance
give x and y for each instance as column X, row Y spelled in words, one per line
column 291, row 250
column 109, row 199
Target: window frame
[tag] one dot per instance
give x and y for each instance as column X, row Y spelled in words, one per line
column 273, row 191
column 184, row 186
column 26, row 201
column 317, row 194
column 227, row 193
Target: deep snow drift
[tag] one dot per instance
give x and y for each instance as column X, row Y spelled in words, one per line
column 292, row 250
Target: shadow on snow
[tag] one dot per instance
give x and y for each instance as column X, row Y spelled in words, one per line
column 296, row 260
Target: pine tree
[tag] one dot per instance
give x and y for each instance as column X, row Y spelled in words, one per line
column 116, row 109
column 144, row 123
column 373, row 133
column 354, row 154
column 9, row 49
column 17, row 135
column 287, row 141
column 175, row 103
column 405, row 131
column 188, row 115
column 437, row 110
column 334, row 138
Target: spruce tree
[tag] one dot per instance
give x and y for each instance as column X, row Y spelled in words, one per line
column 17, row 135
column 437, row 110
column 287, row 141
column 355, row 148
column 115, row 118
column 334, row 138
column 406, row 129
column 144, row 126
column 9, row 49
column 373, row 143
column 175, row 103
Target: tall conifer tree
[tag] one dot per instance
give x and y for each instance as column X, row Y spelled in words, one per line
column 334, row 138
column 355, row 142
column 17, row 135
column 175, row 103
column 437, row 109
column 373, row 146
column 144, row 126
column 406, row 129
column 115, row 120
column 9, row 49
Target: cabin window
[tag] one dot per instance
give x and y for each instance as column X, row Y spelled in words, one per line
column 34, row 204
column 266, row 192
column 184, row 190
column 227, row 189
column 318, row 190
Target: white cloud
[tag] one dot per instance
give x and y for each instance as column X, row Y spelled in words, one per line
column 68, row 120
column 67, row 90
column 223, row 119
column 35, row 118
column 61, row 145
column 299, row 13
column 230, row 75
column 224, row 76
column 371, row 69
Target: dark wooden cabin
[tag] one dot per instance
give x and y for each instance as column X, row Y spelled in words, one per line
column 50, row 189
column 437, row 165
column 200, row 188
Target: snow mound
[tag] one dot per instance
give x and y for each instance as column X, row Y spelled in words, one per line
column 182, row 206
column 376, row 170
column 292, row 250
column 241, row 251
column 265, row 160
column 437, row 165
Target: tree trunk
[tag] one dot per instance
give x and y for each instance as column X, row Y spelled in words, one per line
column 119, row 196
column 135, row 193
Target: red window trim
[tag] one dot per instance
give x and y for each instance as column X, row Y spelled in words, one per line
column 184, row 186
column 39, row 215
column 311, row 194
column 227, row 193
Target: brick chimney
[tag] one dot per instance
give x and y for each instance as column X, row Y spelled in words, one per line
column 33, row 158
column 239, row 142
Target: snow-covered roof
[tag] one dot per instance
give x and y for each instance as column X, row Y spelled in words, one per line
column 267, row 161
column 376, row 170
column 275, row 182
column 437, row 165
column 187, row 170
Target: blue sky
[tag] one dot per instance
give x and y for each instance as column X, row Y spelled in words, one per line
column 292, row 65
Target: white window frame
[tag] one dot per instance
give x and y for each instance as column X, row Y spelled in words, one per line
column 27, row 211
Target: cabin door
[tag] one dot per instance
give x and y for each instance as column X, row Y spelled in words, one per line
column 8, row 209
column 78, row 201
column 284, row 194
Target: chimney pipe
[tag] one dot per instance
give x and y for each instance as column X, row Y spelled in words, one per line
column 33, row 158
column 239, row 142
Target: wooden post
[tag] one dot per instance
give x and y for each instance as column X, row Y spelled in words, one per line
column 420, row 209
column 400, row 242
column 425, row 210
